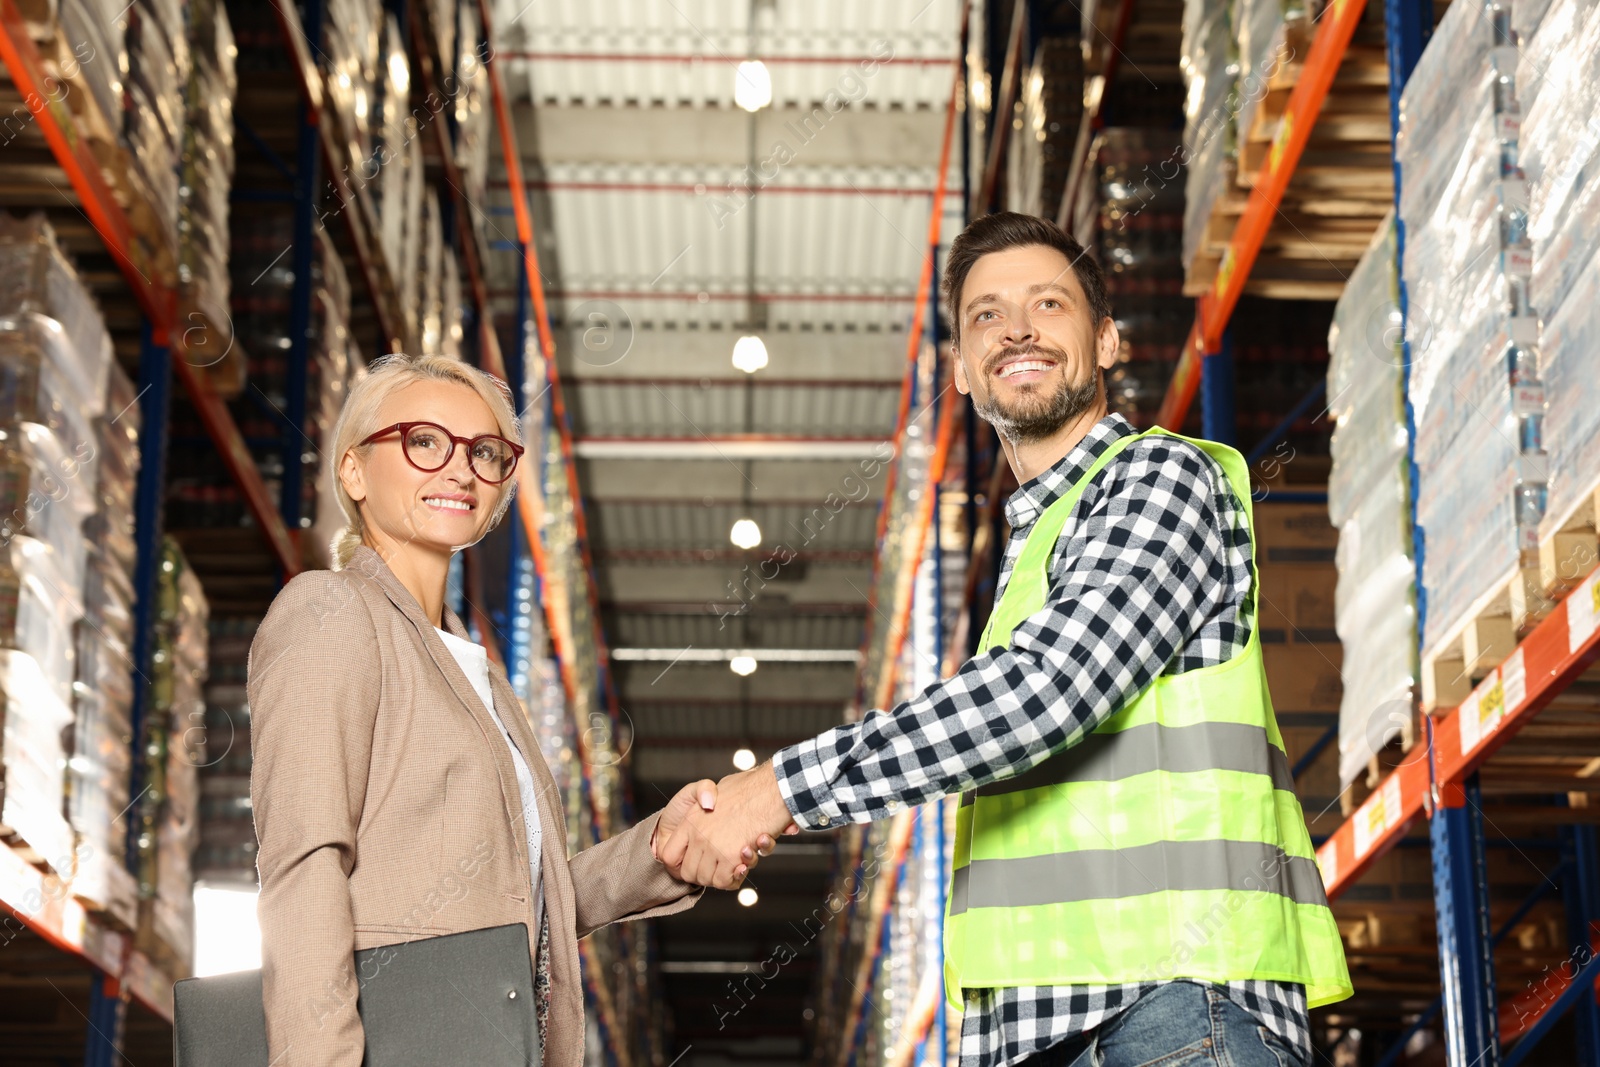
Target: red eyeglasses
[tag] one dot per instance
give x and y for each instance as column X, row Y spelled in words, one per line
column 429, row 447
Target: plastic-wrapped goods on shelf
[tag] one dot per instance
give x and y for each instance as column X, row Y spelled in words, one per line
column 32, row 718
column 1261, row 47
column 153, row 121
column 38, row 285
column 1210, row 76
column 110, row 530
column 1446, row 88
column 1465, row 268
column 1572, row 390
column 167, row 812
column 93, row 34
column 350, row 58
column 1369, row 501
column 396, row 133
column 474, row 133
column 415, row 177
column 430, row 276
column 1365, row 367
column 450, row 329
column 97, row 801
column 329, row 386
column 206, row 168
column 44, row 509
column 38, row 608
column 1560, row 153
column 41, row 410
column 227, row 850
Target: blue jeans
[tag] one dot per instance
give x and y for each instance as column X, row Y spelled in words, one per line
column 1181, row 1024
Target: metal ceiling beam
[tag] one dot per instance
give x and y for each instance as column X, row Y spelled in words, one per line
column 687, row 478
column 700, row 188
column 695, row 556
column 702, row 296
column 710, row 137
column 728, row 447
column 668, row 607
column 688, row 57
column 809, row 356
column 723, row 655
column 754, row 380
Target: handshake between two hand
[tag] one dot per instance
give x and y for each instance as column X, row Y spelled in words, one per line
column 713, row 833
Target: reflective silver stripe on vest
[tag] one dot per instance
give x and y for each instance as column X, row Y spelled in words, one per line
column 1111, row 874
column 1206, row 746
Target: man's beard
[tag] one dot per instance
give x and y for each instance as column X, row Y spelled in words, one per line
column 1035, row 418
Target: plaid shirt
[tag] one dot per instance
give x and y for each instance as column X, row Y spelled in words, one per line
column 1149, row 576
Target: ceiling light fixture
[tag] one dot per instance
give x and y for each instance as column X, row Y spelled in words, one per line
column 744, row 759
column 749, row 353
column 743, row 666
column 748, row 896
column 752, row 85
column 745, row 533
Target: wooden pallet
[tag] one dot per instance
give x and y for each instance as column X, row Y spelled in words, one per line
column 1489, row 631
column 1339, row 193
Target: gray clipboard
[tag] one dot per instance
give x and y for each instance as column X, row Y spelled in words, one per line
column 460, row 998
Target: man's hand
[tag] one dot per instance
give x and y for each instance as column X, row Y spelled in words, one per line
column 718, row 850
column 694, row 798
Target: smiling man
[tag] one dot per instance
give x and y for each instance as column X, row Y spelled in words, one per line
column 1133, row 878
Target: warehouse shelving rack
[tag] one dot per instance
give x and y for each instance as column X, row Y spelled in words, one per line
column 39, row 900
column 1437, row 780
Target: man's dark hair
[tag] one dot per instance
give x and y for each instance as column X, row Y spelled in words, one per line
column 1011, row 229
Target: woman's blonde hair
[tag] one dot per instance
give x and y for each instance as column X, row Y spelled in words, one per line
column 359, row 419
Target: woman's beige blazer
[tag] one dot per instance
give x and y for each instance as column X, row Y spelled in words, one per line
column 387, row 808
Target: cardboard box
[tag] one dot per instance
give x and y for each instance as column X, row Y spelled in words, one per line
column 1304, row 677
column 1297, row 603
column 1293, row 533
column 1320, row 780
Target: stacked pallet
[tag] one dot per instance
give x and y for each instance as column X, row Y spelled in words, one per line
column 1241, row 63
column 1369, row 500
column 1559, row 153
column 54, row 358
column 1499, row 261
column 206, row 164
column 102, row 737
column 167, row 812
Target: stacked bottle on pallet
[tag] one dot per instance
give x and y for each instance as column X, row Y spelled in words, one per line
column 226, row 853
column 154, row 117
column 879, row 995
column 54, row 357
column 101, row 764
column 171, row 746
column 1138, row 244
column 1560, row 150
column 206, row 164
column 1232, row 56
column 1475, row 389
column 1210, row 140
column 1369, row 500
column 1040, row 154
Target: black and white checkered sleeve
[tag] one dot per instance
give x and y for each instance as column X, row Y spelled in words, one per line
column 1140, row 566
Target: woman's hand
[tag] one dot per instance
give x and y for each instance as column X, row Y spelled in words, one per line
column 699, row 796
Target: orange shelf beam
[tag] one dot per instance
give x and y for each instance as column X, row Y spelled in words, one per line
column 914, row 341
column 1215, row 308
column 547, row 347
column 1558, row 650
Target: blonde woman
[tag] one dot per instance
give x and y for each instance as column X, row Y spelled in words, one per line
column 399, row 792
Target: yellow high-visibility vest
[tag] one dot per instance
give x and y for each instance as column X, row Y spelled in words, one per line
column 1167, row 844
